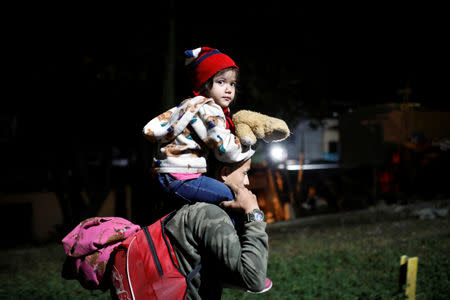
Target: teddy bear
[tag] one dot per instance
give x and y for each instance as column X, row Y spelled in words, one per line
column 250, row 125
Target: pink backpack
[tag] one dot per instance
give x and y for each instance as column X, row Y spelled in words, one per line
column 88, row 248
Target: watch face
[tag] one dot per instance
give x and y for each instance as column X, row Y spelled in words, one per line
column 255, row 215
column 258, row 216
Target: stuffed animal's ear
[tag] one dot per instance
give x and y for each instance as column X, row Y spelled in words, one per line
column 245, row 134
column 276, row 130
column 251, row 125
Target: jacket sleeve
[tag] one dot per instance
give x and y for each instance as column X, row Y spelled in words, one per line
column 160, row 129
column 171, row 123
column 226, row 146
column 243, row 256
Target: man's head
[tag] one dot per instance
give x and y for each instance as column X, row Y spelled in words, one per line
column 234, row 173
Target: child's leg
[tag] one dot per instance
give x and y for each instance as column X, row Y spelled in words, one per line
column 202, row 189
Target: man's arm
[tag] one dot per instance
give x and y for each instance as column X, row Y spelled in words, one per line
column 244, row 257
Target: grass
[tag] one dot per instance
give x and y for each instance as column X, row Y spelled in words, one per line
column 343, row 262
column 357, row 262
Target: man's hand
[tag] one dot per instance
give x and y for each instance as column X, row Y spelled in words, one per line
column 244, row 201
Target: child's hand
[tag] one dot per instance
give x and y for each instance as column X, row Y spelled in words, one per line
column 244, row 201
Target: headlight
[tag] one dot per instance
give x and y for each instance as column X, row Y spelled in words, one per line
column 278, row 153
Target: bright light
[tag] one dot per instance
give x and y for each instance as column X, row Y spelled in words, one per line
column 278, row 153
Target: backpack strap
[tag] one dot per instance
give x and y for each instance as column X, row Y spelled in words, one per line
column 153, row 249
column 163, row 223
column 193, row 273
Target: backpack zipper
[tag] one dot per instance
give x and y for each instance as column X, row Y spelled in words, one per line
column 153, row 249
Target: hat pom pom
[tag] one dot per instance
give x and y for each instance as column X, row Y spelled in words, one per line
column 191, row 55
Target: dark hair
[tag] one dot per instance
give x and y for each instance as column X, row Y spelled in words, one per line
column 215, row 166
column 207, row 86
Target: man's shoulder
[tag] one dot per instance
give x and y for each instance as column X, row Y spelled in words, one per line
column 202, row 211
column 204, row 206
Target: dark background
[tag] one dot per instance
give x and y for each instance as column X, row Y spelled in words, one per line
column 85, row 79
column 106, row 65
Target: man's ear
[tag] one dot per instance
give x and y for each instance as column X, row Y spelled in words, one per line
column 224, row 172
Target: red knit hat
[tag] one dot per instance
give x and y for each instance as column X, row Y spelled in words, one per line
column 205, row 62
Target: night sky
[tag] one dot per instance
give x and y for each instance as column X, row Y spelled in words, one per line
column 343, row 56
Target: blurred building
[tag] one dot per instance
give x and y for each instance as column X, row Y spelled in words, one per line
column 404, row 145
column 390, row 153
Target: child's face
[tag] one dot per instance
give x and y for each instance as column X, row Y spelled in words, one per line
column 224, row 88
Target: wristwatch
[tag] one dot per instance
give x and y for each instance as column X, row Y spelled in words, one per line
column 254, row 216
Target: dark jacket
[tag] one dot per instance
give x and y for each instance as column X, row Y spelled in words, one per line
column 204, row 234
